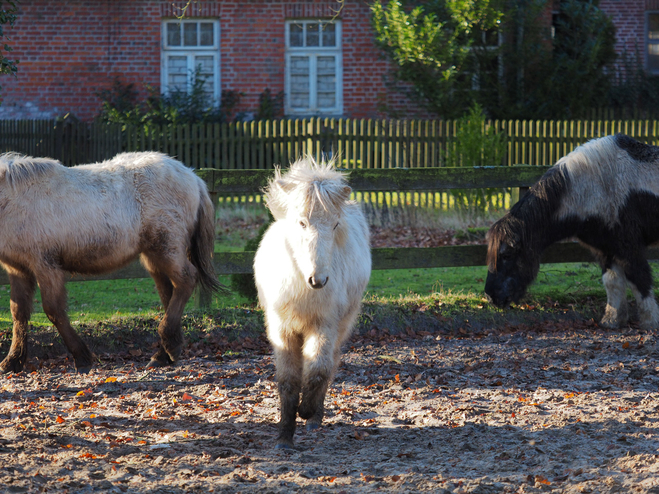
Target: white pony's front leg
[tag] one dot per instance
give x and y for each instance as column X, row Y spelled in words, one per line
column 648, row 311
column 615, row 283
column 319, row 353
column 287, row 348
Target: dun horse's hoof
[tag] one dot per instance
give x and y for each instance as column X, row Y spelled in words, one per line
column 83, row 369
column 11, row 365
column 312, row 426
column 160, row 359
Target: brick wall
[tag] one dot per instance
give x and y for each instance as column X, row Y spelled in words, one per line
column 70, row 49
column 629, row 19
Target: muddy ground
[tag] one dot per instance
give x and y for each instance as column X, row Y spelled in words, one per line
column 424, row 401
column 555, row 406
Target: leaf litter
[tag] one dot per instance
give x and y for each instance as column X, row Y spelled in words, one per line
column 554, row 405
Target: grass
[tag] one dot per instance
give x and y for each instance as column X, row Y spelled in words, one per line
column 123, row 301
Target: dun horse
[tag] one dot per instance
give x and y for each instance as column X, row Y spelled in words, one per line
column 311, row 269
column 605, row 193
column 95, row 218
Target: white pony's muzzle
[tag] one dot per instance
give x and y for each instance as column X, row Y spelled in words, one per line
column 317, row 282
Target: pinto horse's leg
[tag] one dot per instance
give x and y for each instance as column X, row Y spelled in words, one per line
column 615, row 283
column 22, row 290
column 320, row 360
column 182, row 276
column 639, row 276
column 288, row 363
column 53, row 299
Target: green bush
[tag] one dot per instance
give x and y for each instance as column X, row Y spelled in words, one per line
column 476, row 144
column 121, row 105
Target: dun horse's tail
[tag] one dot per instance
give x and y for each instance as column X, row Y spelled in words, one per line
column 202, row 244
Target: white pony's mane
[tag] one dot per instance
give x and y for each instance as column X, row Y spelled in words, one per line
column 17, row 169
column 307, row 184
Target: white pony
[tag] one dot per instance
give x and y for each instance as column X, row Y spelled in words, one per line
column 311, row 269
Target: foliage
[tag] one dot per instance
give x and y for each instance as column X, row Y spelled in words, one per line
column 270, row 107
column 439, row 49
column 475, row 144
column 121, row 104
column 8, row 15
column 430, row 45
column 583, row 56
column 633, row 90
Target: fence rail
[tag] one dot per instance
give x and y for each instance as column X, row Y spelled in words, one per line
column 262, row 145
column 384, row 258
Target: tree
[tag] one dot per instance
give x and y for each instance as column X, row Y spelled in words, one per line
column 438, row 49
column 430, row 45
column 8, row 15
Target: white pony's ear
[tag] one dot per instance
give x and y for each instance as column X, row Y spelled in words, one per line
column 345, row 192
column 276, row 195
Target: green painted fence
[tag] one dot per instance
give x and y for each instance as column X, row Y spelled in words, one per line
column 251, row 181
column 358, row 143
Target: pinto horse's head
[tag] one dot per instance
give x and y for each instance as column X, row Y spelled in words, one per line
column 512, row 263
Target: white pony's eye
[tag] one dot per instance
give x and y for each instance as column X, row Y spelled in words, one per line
column 303, row 224
column 337, row 224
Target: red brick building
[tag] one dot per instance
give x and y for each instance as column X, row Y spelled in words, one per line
column 320, row 53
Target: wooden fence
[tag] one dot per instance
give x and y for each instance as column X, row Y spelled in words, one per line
column 263, row 144
column 251, row 181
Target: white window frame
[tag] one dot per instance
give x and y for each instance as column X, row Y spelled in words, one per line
column 648, row 42
column 190, row 53
column 313, row 52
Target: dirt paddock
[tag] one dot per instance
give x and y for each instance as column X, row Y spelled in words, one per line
column 563, row 407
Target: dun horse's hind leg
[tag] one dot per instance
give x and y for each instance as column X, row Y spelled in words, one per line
column 53, row 299
column 22, row 291
column 615, row 283
column 182, row 277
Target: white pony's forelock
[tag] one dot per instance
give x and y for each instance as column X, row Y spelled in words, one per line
column 307, row 183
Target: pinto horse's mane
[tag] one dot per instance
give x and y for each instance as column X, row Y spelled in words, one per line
column 17, row 169
column 307, row 185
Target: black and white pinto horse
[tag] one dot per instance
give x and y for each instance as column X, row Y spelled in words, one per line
column 605, row 194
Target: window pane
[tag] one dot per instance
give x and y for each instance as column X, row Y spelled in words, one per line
column 329, row 35
column 204, row 65
column 299, row 82
column 653, row 57
column 173, row 34
column 177, row 73
column 326, row 82
column 190, row 34
column 206, row 34
column 295, row 34
column 312, row 35
column 653, row 26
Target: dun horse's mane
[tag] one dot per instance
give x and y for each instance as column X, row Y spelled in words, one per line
column 307, row 184
column 17, row 169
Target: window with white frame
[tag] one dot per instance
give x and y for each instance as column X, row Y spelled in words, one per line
column 191, row 48
column 313, row 68
column 652, row 42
